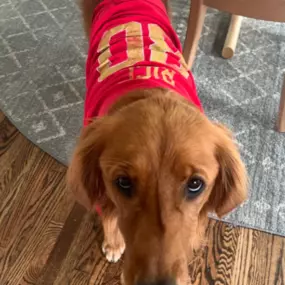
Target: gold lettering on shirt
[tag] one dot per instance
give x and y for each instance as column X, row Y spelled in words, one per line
column 147, row 74
column 159, row 52
column 167, row 76
column 134, row 42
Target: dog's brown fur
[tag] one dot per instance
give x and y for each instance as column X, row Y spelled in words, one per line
column 159, row 140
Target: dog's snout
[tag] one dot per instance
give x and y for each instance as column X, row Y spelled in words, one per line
column 161, row 282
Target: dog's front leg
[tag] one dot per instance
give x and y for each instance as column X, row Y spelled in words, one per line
column 114, row 245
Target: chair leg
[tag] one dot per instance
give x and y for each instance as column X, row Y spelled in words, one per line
column 281, row 115
column 194, row 29
column 232, row 37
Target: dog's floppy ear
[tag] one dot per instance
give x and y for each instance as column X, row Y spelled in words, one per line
column 230, row 188
column 84, row 174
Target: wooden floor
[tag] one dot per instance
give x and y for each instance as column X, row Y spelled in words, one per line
column 45, row 238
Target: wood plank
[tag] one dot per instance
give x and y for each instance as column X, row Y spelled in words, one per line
column 85, row 254
column 33, row 208
column 260, row 259
column 214, row 262
column 7, row 134
column 53, row 266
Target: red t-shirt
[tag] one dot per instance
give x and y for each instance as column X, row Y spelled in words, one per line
column 133, row 46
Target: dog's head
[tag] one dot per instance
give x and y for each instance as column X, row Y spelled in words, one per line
column 164, row 166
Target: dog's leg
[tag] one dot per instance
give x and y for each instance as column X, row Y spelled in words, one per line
column 113, row 246
column 87, row 8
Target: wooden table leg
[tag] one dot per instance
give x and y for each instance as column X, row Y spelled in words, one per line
column 194, row 29
column 281, row 115
column 232, row 37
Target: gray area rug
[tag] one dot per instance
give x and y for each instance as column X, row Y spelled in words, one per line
column 42, row 62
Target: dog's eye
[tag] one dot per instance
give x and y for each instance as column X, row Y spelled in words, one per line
column 195, row 185
column 125, row 185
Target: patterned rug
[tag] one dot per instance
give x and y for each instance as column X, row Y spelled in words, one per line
column 42, row 58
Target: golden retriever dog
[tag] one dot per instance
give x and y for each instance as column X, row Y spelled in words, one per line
column 149, row 160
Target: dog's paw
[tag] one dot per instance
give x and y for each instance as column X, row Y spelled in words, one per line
column 113, row 252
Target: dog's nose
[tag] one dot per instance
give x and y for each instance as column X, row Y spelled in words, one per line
column 161, row 282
